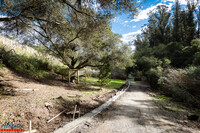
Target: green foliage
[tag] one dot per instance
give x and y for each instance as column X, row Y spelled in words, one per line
column 195, row 46
column 196, row 43
column 92, row 74
column 115, row 83
column 182, row 84
column 196, row 60
column 1, row 66
column 170, row 35
column 27, row 65
column 145, row 63
column 174, row 53
column 79, row 36
column 138, row 74
column 166, row 62
column 118, row 74
column 151, row 67
column 153, row 75
column 168, row 41
column 105, row 73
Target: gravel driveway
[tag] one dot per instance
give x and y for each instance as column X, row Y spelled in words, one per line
column 135, row 112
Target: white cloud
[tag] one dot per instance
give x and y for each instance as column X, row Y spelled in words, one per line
column 144, row 13
column 134, row 26
column 3, row 16
column 130, row 36
column 116, row 19
column 1, row 23
column 121, row 22
column 182, row 2
column 132, row 47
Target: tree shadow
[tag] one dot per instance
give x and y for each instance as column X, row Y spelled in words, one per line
column 145, row 113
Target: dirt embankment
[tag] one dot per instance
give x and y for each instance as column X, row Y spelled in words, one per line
column 24, row 99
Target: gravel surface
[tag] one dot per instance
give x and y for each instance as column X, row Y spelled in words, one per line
column 135, row 112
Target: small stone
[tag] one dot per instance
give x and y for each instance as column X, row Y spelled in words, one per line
column 48, row 104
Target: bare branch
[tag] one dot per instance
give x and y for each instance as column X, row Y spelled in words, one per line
column 71, row 6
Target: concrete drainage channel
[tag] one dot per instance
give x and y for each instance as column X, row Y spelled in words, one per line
column 76, row 123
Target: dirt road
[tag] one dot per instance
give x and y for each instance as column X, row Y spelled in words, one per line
column 135, row 112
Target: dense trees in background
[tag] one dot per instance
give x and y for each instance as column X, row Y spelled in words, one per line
column 169, row 34
column 167, row 51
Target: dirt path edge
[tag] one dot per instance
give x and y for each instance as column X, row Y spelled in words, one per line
column 78, row 122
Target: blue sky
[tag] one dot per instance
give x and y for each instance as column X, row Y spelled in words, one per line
column 128, row 28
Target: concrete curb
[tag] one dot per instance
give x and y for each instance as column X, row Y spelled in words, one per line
column 74, row 124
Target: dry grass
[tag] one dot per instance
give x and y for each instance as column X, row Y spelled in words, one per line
column 20, row 49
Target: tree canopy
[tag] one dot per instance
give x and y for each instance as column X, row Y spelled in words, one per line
column 76, row 31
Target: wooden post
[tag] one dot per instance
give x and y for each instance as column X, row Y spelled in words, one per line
column 79, row 113
column 30, row 126
column 74, row 112
column 78, row 76
column 69, row 76
column 85, row 77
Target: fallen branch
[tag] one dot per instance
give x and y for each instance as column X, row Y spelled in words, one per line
column 56, row 116
column 26, row 89
column 74, row 112
column 71, row 112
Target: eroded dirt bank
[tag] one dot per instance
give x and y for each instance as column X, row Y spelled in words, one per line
column 23, row 99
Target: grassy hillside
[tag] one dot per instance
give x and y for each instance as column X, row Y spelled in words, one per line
column 26, row 59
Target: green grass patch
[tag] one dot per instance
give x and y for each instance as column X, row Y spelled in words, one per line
column 114, row 83
column 131, row 80
column 164, row 101
column 163, row 97
column 91, row 80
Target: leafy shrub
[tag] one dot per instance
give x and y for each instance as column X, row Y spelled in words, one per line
column 165, row 62
column 145, row 63
column 105, row 73
column 92, row 74
column 196, row 43
column 182, row 84
column 152, row 68
column 153, row 75
column 137, row 73
column 196, row 60
column 1, row 66
column 175, row 54
column 24, row 64
column 118, row 74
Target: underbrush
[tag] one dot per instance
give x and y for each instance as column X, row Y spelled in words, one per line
column 27, row 60
column 182, row 85
column 1, row 66
column 165, row 102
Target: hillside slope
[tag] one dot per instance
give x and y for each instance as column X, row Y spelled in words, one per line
column 28, row 93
